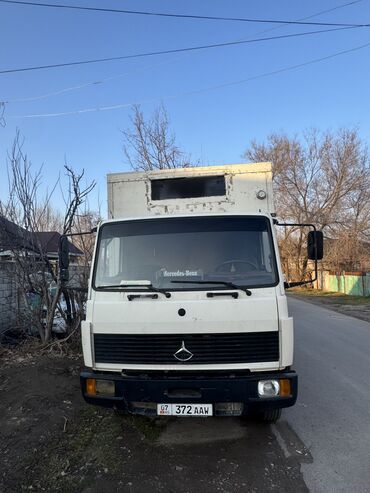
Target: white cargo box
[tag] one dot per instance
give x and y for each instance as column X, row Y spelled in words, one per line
column 236, row 188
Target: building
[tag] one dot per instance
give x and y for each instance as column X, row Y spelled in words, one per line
column 16, row 242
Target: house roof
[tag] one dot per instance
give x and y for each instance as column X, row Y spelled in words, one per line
column 330, row 243
column 13, row 237
column 49, row 241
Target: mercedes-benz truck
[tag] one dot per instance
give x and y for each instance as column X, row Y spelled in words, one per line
column 186, row 310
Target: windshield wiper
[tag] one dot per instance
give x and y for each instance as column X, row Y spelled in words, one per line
column 224, row 283
column 139, row 287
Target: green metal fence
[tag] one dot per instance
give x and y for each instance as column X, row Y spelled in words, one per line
column 353, row 283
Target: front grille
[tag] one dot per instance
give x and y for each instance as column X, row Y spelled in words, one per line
column 152, row 349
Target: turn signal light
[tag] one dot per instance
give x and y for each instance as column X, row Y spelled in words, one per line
column 91, row 386
column 285, row 388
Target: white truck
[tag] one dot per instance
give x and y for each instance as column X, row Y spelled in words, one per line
column 186, row 310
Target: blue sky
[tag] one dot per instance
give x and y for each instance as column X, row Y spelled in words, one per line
column 215, row 126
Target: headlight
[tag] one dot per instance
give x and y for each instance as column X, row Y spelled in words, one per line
column 100, row 387
column 268, row 388
column 274, row 388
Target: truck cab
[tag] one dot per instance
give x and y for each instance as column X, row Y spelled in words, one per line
column 186, row 311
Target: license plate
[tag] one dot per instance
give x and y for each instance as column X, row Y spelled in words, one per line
column 197, row 410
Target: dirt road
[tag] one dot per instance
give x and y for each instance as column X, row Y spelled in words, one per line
column 50, row 440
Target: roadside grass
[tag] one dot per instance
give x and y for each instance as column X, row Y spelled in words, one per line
column 87, row 450
column 94, row 446
column 331, row 297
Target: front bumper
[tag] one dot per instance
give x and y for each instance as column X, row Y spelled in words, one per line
column 210, row 388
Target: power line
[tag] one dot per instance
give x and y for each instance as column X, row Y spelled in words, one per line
column 197, row 91
column 330, row 10
column 285, row 69
column 87, row 84
column 311, row 16
column 165, row 52
column 179, row 16
column 119, row 76
column 316, row 14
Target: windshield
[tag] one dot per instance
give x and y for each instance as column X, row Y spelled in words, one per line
column 231, row 249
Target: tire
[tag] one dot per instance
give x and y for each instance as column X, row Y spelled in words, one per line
column 270, row 415
column 120, row 412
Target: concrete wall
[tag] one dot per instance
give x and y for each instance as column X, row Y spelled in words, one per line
column 11, row 301
column 8, row 296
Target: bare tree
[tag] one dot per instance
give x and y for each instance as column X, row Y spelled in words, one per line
column 36, row 272
column 85, row 222
column 77, row 194
column 48, row 218
column 149, row 144
column 2, row 112
column 321, row 178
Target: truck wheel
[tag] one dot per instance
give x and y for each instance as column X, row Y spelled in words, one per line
column 270, row 415
column 120, row 412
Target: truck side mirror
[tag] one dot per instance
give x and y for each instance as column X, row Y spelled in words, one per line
column 64, row 258
column 315, row 245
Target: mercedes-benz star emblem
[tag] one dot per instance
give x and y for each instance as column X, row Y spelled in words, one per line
column 183, row 354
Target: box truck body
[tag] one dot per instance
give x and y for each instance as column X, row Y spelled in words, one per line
column 186, row 311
